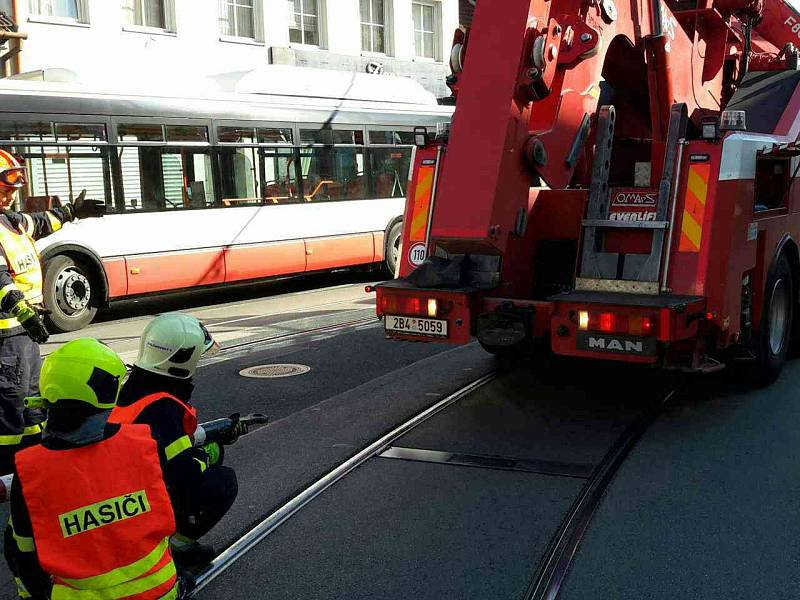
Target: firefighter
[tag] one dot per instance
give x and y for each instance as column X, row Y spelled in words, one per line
column 21, row 326
column 91, row 514
column 158, row 393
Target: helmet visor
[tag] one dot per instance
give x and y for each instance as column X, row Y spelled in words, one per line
column 13, row 177
column 210, row 345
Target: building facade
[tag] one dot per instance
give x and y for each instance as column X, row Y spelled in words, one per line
column 410, row 38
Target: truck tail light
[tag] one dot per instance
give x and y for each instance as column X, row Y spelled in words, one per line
column 609, row 322
column 433, row 307
column 414, row 305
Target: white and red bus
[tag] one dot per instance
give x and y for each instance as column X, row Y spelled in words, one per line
column 275, row 172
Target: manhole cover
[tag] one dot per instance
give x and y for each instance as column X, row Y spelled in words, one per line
column 274, row 371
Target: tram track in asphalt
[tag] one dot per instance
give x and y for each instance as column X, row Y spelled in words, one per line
column 559, row 539
column 248, row 541
column 558, row 558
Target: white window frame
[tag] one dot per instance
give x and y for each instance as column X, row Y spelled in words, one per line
column 321, row 6
column 436, row 5
column 388, row 30
column 168, row 18
column 258, row 23
column 36, row 16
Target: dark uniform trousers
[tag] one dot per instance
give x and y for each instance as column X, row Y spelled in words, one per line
column 20, row 363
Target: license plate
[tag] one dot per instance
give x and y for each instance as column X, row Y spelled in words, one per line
column 417, row 326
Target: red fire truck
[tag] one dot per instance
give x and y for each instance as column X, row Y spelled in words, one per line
column 617, row 182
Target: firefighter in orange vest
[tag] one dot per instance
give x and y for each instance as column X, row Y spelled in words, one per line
column 158, row 393
column 91, row 516
column 21, row 327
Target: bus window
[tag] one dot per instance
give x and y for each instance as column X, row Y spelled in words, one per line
column 389, row 171
column 188, row 180
column 166, row 178
column 64, row 171
column 333, row 173
column 391, row 138
column 240, row 172
column 80, row 132
column 279, row 170
column 30, row 131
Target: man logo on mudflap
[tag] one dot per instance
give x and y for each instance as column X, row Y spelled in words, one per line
column 104, row 513
column 618, row 345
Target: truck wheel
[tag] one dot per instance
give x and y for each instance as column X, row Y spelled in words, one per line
column 392, row 254
column 69, row 294
column 776, row 324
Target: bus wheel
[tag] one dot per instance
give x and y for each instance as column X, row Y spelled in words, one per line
column 393, row 242
column 68, row 295
column 776, row 324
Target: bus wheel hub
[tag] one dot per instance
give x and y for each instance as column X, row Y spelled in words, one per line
column 73, row 291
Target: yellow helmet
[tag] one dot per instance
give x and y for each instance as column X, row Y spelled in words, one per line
column 12, row 172
column 83, row 370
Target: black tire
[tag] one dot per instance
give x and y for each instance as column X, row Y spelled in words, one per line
column 774, row 333
column 392, row 250
column 71, row 294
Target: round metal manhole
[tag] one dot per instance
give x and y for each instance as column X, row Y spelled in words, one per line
column 274, row 371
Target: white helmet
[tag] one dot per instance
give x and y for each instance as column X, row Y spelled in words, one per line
column 172, row 345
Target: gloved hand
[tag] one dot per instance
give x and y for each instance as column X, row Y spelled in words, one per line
column 30, row 320
column 214, row 452
column 85, row 209
column 234, row 433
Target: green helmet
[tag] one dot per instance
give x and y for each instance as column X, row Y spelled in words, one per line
column 85, row 370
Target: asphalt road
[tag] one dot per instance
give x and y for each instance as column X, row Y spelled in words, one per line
column 398, row 528
column 704, row 507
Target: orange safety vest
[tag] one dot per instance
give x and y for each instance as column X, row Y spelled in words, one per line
column 129, row 414
column 108, row 537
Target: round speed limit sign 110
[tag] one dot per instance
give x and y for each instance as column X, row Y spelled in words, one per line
column 417, row 254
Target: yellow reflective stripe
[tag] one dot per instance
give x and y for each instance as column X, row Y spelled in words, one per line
column 29, row 225
column 25, row 544
column 55, row 222
column 9, row 323
column 203, row 465
column 130, row 588
column 172, row 594
column 13, row 440
column 178, row 446
column 123, row 575
column 22, row 591
column 6, row 289
column 33, row 429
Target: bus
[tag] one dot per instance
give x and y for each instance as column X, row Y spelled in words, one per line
column 269, row 173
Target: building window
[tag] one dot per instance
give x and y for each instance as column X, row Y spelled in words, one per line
column 373, row 26
column 157, row 14
column 240, row 18
column 304, row 22
column 66, row 9
column 426, row 29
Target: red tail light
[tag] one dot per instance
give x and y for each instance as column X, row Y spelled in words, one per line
column 608, row 322
column 403, row 305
